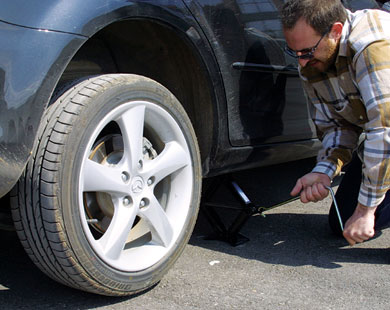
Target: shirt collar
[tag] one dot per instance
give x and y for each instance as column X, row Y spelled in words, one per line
column 343, row 48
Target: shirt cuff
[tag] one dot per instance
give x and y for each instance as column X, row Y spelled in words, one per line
column 325, row 167
column 370, row 198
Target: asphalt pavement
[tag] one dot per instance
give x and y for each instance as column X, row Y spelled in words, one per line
column 292, row 261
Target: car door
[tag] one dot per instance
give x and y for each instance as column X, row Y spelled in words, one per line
column 265, row 100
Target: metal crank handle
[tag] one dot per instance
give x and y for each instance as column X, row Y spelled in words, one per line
column 336, row 207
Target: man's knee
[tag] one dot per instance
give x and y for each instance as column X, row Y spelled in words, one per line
column 382, row 214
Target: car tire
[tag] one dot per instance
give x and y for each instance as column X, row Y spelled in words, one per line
column 111, row 193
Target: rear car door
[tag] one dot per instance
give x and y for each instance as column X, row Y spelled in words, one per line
column 265, row 100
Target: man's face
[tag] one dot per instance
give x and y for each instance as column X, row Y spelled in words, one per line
column 303, row 37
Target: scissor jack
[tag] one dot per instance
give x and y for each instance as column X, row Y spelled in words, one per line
column 230, row 234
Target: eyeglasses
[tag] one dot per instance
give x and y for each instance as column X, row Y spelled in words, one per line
column 307, row 53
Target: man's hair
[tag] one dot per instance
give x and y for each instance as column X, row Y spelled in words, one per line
column 319, row 14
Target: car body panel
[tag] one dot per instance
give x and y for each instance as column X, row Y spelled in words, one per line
column 26, row 84
column 265, row 100
column 238, row 42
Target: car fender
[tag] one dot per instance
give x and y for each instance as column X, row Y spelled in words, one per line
column 39, row 38
column 88, row 16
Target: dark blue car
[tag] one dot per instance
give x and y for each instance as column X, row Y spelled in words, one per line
column 112, row 112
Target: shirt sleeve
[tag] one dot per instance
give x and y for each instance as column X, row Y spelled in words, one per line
column 339, row 137
column 373, row 78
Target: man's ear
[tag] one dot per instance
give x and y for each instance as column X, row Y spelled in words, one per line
column 336, row 30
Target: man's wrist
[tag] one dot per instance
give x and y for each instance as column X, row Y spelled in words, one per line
column 362, row 209
column 326, row 168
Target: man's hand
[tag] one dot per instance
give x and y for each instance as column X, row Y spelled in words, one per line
column 312, row 187
column 360, row 226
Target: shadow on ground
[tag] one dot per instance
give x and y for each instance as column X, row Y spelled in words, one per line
column 292, row 240
column 293, row 234
column 24, row 286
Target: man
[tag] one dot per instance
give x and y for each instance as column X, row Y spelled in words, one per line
column 344, row 63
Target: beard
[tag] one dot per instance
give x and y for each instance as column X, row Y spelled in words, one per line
column 326, row 60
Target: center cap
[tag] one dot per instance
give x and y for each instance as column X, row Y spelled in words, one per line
column 137, row 185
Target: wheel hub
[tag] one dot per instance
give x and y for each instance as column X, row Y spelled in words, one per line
column 137, row 185
column 109, row 151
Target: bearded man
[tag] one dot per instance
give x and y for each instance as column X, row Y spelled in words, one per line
column 344, row 63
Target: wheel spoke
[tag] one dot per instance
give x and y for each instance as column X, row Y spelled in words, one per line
column 160, row 226
column 131, row 124
column 100, row 178
column 171, row 159
column 114, row 239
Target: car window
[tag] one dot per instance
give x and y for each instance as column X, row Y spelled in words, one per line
column 355, row 5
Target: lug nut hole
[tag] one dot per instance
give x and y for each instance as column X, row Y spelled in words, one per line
column 127, row 201
column 125, row 176
column 144, row 203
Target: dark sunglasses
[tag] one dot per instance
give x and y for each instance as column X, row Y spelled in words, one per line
column 307, row 53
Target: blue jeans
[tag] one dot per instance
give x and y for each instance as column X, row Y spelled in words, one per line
column 347, row 199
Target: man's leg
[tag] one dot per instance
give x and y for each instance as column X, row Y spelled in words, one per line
column 382, row 214
column 347, row 195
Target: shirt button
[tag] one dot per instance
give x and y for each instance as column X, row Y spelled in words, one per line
column 361, row 117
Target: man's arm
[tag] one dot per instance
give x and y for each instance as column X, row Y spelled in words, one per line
column 373, row 78
column 339, row 139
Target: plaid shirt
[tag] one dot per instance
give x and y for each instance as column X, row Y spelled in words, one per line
column 353, row 97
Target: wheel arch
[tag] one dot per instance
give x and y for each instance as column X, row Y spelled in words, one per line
column 163, row 53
